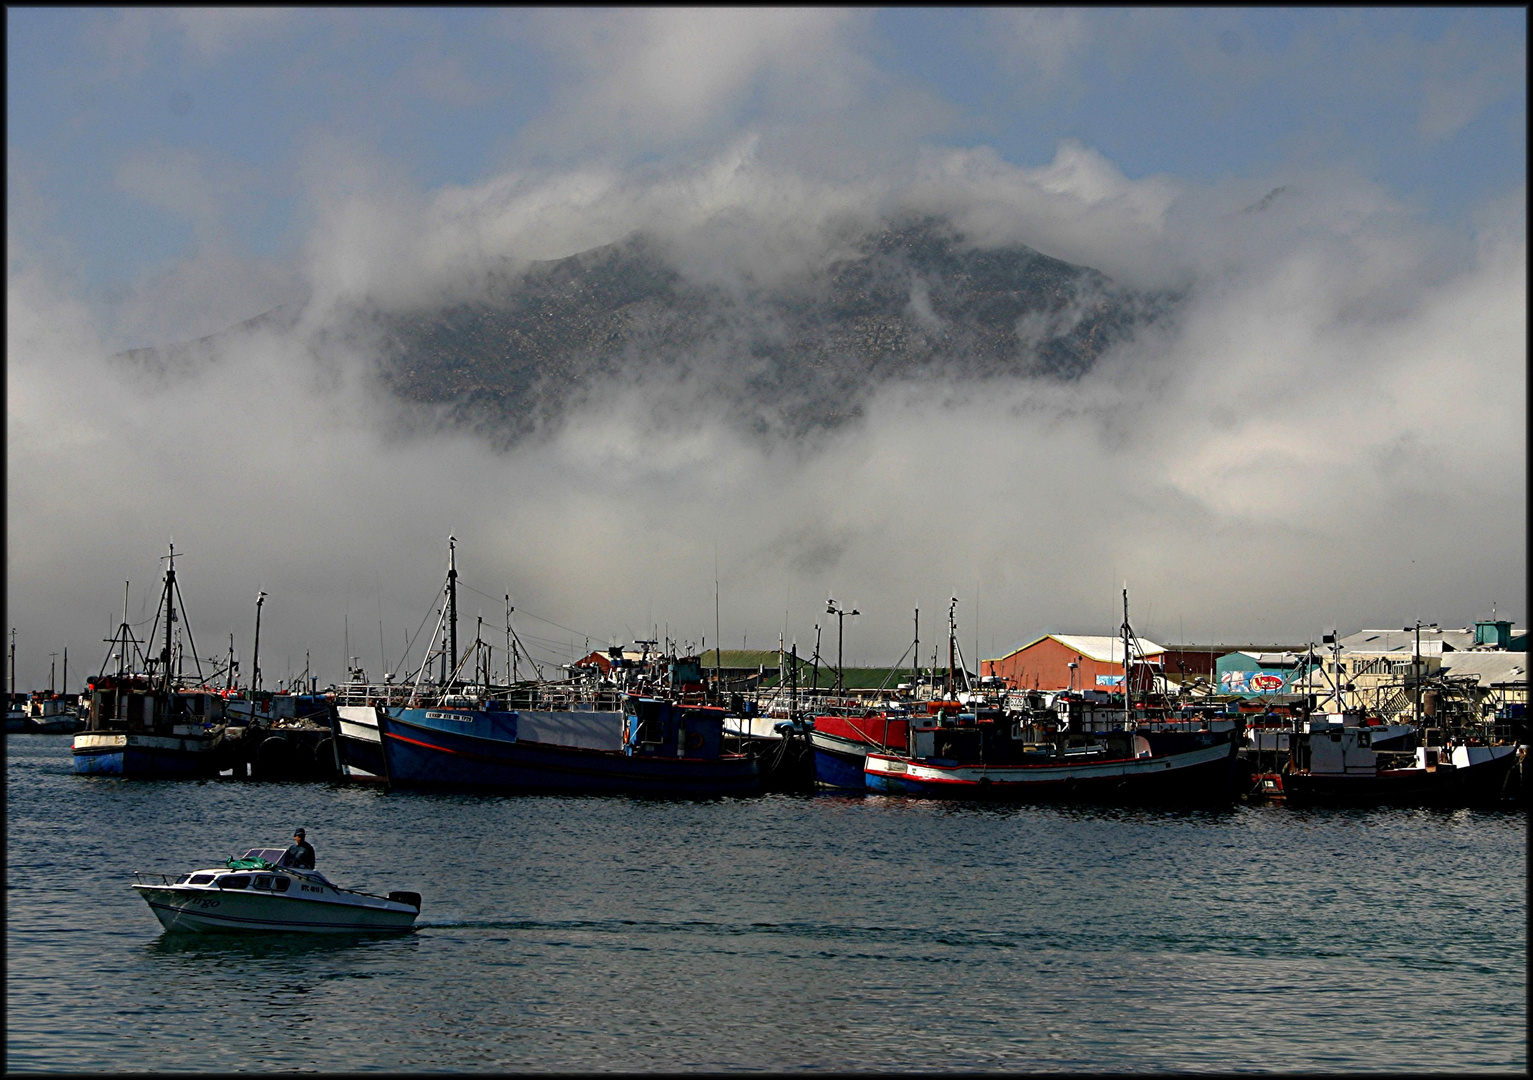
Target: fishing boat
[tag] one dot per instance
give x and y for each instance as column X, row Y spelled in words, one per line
column 150, row 723
column 51, row 714
column 1334, row 762
column 661, row 748
column 970, row 757
column 972, row 747
column 843, row 739
column 255, row 892
column 652, row 733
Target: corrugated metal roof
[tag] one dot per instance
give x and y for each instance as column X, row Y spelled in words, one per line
column 1491, row 666
column 1394, row 641
column 1108, row 650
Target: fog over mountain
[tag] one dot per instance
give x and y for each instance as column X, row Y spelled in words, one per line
column 908, row 300
column 833, row 346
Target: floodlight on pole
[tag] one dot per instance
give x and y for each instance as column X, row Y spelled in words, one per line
column 840, row 614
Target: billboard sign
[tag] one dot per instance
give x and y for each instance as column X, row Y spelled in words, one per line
column 1109, row 680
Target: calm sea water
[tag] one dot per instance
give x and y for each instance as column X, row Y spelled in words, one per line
column 778, row 933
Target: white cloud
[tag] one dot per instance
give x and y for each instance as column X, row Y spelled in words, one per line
column 657, row 76
column 1341, row 393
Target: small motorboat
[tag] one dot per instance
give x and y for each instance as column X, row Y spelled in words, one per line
column 256, row 892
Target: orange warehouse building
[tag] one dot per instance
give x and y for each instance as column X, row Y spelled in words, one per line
column 1045, row 664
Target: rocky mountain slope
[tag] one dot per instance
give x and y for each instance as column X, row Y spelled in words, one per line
column 915, row 302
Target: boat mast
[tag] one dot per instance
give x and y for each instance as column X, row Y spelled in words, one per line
column 793, row 684
column 122, row 656
column 452, row 600
column 511, row 656
column 952, row 638
column 1127, row 663
column 170, row 614
column 123, row 631
column 13, row 669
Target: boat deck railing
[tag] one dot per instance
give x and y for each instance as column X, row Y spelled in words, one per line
column 552, row 697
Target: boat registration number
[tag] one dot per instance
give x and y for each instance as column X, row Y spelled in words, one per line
column 206, row 903
column 894, row 766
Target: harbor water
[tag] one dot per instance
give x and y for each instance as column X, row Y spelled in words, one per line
column 779, row 933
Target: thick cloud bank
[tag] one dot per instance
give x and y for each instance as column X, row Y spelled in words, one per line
column 1331, row 429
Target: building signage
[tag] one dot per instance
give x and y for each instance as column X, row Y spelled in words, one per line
column 1109, row 680
column 1250, row 682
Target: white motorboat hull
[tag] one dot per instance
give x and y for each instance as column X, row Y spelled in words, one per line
column 203, row 910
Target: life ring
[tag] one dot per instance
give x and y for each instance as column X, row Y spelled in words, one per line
column 694, row 740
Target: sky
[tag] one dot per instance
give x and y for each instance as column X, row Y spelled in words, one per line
column 1330, row 432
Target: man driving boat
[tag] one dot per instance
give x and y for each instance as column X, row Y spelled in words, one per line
column 300, row 856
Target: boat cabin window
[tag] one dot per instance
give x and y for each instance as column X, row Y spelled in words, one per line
column 233, row 881
column 279, row 884
column 200, row 879
column 182, row 879
column 262, row 882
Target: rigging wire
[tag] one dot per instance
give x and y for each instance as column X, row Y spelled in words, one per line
column 570, row 629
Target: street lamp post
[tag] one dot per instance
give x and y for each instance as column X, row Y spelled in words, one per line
column 255, row 652
column 1416, row 668
column 840, row 614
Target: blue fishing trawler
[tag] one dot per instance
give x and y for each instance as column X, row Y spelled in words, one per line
column 150, row 723
column 652, row 747
column 653, row 734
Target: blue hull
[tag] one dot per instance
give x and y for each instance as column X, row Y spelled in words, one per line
column 840, row 770
column 142, row 764
column 419, row 755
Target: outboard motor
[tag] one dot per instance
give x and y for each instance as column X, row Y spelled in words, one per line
column 412, row 899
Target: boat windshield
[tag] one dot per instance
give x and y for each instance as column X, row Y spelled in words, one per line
column 270, row 854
